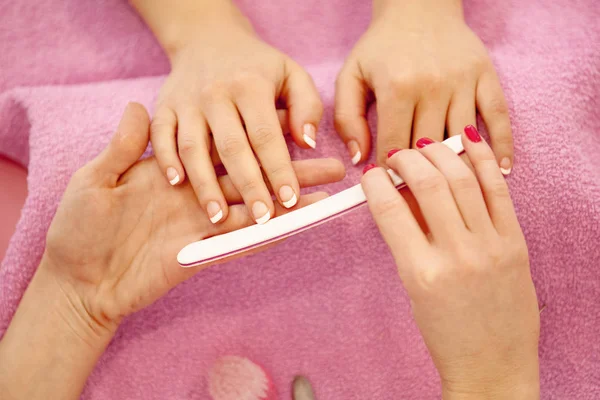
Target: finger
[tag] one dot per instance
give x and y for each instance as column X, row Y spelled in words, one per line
column 193, row 141
column 238, row 158
column 462, row 112
column 240, row 217
column 256, row 103
column 162, row 136
column 302, row 389
column 494, row 111
column 126, row 146
column 350, row 116
column 429, row 121
column 282, row 115
column 493, row 185
column 394, row 219
column 432, row 191
column 394, row 122
column 304, row 105
column 464, row 186
column 309, row 172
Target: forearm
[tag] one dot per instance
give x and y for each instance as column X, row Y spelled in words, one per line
column 175, row 22
column 50, row 347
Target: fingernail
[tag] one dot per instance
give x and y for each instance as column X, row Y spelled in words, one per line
column 505, row 166
column 392, row 152
column 310, row 134
column 261, row 212
column 368, row 167
column 172, row 176
column 472, row 134
column 287, row 196
column 214, row 211
column 354, row 151
column 424, row 141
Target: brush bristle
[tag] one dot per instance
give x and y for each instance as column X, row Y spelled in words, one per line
column 237, row 378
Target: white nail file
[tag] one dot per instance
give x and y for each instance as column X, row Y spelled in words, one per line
column 226, row 245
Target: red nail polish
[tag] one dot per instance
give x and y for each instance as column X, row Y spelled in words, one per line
column 472, row 134
column 424, row 141
column 392, row 152
column 368, row 167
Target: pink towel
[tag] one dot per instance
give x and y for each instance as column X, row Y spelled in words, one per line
column 326, row 303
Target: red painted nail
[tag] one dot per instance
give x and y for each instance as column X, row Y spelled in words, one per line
column 368, row 167
column 472, row 134
column 424, row 141
column 392, row 152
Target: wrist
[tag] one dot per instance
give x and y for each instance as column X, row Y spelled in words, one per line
column 402, row 9
column 199, row 25
column 516, row 386
column 51, row 339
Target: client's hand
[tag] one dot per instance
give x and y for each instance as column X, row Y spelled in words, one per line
column 429, row 73
column 469, row 279
column 119, row 226
column 111, row 250
column 225, row 83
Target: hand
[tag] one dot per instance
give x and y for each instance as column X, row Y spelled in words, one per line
column 429, row 72
column 226, row 82
column 117, row 231
column 469, row 280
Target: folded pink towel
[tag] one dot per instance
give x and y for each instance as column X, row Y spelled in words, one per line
column 326, row 303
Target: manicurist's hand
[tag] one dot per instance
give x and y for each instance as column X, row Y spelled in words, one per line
column 224, row 85
column 111, row 250
column 468, row 278
column 429, row 74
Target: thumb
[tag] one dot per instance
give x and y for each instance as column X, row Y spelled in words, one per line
column 127, row 144
column 350, row 112
column 304, row 105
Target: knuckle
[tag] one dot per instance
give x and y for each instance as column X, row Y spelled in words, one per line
column 263, row 136
column 387, row 206
column 212, row 92
column 464, row 182
column 278, row 170
column 432, row 183
column 161, row 125
column 402, row 85
column 187, row 146
column 498, row 188
column 249, row 186
column 497, row 106
column 230, row 146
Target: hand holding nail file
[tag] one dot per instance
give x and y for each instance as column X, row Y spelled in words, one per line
column 229, row 244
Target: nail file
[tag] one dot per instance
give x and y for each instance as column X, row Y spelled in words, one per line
column 232, row 243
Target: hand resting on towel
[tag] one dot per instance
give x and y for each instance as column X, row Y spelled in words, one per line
column 110, row 251
column 225, row 83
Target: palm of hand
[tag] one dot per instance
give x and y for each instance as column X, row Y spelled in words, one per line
column 131, row 235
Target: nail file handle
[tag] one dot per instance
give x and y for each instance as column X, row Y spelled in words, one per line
column 232, row 243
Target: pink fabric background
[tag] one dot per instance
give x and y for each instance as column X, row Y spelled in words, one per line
column 326, row 303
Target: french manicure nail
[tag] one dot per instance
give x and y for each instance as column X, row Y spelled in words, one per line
column 214, row 211
column 368, row 167
column 472, row 134
column 505, row 166
column 261, row 212
column 424, row 141
column 172, row 176
column 287, row 196
column 354, row 151
column 392, row 152
column 309, row 135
